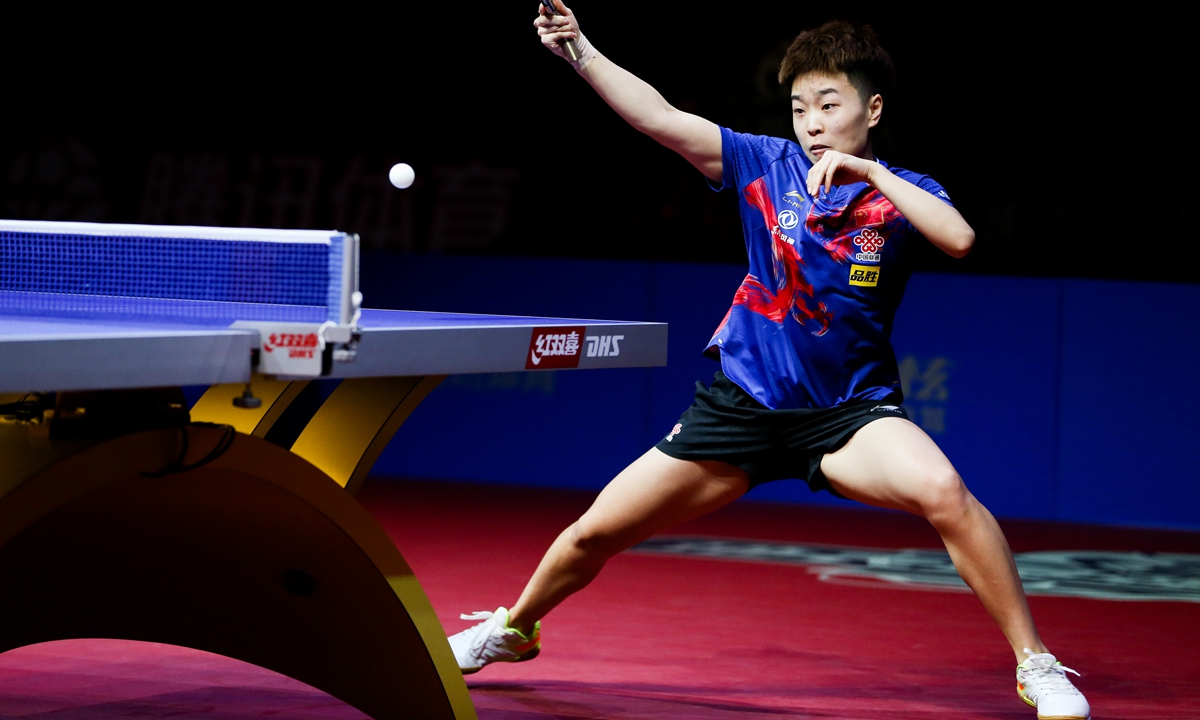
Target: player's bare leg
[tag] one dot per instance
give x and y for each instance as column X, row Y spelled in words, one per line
column 654, row 493
column 892, row 463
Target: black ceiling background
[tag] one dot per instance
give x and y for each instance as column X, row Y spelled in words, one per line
column 1057, row 134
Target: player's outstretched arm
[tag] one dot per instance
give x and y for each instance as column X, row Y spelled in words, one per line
column 939, row 222
column 696, row 139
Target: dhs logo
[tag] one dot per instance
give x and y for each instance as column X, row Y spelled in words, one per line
column 554, row 348
column 604, row 345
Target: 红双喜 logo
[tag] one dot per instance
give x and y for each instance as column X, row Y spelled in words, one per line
column 554, row 348
column 298, row 345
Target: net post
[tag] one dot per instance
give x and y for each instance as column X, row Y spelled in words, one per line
column 345, row 297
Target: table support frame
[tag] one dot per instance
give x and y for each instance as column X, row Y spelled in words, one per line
column 257, row 555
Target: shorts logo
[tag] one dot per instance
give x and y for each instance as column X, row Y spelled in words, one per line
column 870, row 241
column 885, row 408
column 604, row 345
column 788, row 219
column 553, row 348
column 795, row 198
column 864, row 276
column 674, row 431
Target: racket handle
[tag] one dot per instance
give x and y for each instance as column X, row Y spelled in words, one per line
column 572, row 50
column 568, row 46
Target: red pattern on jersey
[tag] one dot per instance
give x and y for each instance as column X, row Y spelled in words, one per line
column 873, row 210
column 725, row 319
column 790, row 284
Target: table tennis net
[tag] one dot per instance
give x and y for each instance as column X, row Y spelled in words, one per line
column 217, row 274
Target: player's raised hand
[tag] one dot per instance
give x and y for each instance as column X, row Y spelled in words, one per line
column 557, row 27
column 836, row 168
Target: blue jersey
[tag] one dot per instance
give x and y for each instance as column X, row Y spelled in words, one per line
column 810, row 324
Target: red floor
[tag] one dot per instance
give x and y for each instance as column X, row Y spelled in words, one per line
column 659, row 637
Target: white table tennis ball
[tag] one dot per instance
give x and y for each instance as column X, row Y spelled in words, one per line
column 402, row 175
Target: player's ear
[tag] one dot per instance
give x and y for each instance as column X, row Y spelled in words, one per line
column 874, row 110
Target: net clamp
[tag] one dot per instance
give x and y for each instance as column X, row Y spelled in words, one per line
column 298, row 349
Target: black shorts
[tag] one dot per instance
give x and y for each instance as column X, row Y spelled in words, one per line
column 724, row 423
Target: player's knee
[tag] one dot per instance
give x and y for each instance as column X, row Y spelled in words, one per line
column 592, row 541
column 944, row 498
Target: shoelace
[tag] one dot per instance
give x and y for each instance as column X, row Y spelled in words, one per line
column 1051, row 674
column 480, row 638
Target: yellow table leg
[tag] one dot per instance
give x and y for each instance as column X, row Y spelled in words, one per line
column 354, row 425
column 256, row 556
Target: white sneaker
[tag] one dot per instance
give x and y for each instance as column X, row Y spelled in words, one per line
column 1042, row 682
column 493, row 641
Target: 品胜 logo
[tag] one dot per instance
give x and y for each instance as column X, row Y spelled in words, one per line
column 864, row 275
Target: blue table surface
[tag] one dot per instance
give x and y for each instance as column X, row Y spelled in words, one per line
column 76, row 324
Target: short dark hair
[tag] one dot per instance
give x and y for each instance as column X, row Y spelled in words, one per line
column 841, row 47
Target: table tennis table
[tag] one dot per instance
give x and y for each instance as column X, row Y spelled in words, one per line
column 231, row 526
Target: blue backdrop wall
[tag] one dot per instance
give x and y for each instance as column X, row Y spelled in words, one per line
column 1055, row 399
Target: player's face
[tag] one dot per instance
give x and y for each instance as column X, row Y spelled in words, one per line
column 829, row 114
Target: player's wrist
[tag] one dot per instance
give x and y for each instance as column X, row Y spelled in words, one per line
column 587, row 53
column 876, row 172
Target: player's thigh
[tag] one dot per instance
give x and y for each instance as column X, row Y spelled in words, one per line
column 655, row 492
column 892, row 463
